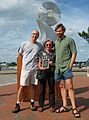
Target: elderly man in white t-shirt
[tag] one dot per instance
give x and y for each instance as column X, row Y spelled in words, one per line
column 29, row 51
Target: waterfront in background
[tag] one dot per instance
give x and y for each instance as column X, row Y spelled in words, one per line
column 8, row 77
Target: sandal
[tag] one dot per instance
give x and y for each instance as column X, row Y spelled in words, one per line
column 76, row 113
column 40, row 109
column 63, row 109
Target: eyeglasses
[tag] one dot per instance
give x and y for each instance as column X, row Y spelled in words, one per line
column 48, row 45
column 35, row 33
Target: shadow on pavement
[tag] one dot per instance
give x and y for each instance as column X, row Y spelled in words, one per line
column 83, row 102
column 81, row 90
column 8, row 94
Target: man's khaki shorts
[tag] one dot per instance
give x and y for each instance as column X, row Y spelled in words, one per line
column 28, row 77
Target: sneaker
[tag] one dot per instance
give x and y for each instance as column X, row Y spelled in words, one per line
column 40, row 109
column 32, row 107
column 17, row 108
column 52, row 109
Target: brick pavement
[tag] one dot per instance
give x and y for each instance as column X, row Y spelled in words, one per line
column 8, row 99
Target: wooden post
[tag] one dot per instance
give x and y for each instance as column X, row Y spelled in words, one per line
column 19, row 67
column 26, row 90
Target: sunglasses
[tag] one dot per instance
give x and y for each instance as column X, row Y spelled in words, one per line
column 49, row 45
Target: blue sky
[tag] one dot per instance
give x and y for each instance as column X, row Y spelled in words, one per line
column 18, row 18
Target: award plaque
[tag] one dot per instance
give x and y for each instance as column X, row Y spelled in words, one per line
column 45, row 63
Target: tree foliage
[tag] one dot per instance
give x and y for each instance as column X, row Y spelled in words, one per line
column 84, row 34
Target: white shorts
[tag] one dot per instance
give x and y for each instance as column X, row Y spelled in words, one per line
column 28, row 77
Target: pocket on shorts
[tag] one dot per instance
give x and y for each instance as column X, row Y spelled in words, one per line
column 57, row 77
column 68, row 73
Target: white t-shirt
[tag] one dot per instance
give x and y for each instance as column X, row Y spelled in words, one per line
column 30, row 53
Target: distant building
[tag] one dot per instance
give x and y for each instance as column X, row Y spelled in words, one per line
column 87, row 62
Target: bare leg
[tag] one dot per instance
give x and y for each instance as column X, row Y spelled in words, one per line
column 19, row 98
column 64, row 98
column 32, row 95
column 69, row 84
column 63, row 93
column 19, row 95
column 32, row 91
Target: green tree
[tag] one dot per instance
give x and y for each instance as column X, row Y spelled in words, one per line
column 84, row 34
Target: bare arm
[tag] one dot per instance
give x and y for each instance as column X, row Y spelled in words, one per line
column 19, row 55
column 72, row 60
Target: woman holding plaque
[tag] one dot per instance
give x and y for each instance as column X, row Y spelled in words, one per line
column 46, row 66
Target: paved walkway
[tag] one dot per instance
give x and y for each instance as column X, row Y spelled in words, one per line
column 8, row 99
column 8, row 77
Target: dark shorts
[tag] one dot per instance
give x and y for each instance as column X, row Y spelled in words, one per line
column 63, row 76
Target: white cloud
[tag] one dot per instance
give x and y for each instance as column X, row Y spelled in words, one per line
column 18, row 17
column 19, row 11
column 4, row 4
column 76, row 19
column 2, row 21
